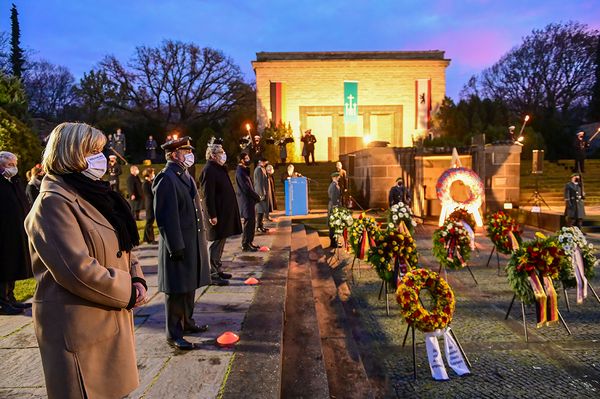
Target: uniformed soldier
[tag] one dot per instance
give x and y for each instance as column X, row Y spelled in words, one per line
column 183, row 262
column 114, row 171
column 574, row 205
column 399, row 193
column 335, row 199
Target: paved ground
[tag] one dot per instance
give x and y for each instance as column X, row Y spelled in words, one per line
column 196, row 374
column 552, row 364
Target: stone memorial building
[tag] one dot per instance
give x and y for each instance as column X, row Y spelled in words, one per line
column 349, row 99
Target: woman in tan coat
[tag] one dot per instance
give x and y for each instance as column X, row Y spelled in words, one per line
column 80, row 236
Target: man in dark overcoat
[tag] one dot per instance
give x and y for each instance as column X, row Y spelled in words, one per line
column 574, row 196
column 113, row 172
column 399, row 193
column 221, row 206
column 580, row 147
column 120, row 143
column 247, row 198
column 15, row 263
column 135, row 192
column 183, row 263
column 261, row 187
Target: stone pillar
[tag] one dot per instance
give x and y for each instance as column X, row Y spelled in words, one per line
column 502, row 175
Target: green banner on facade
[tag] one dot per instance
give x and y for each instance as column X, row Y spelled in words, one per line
column 350, row 102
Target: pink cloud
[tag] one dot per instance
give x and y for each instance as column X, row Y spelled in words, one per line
column 472, row 48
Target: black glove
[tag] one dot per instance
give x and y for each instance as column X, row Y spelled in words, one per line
column 177, row 255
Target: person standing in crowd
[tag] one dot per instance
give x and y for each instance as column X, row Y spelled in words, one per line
column 148, row 175
column 308, row 149
column 15, row 263
column 247, row 198
column 272, row 198
column 134, row 191
column 35, row 176
column 257, row 150
column 151, row 149
column 119, row 143
column 400, row 193
column 261, row 187
column 510, row 135
column 183, row 262
column 282, row 143
column 109, row 146
column 343, row 183
column 114, row 171
column 221, row 207
column 580, row 146
column 335, row 198
column 574, row 205
column 81, row 234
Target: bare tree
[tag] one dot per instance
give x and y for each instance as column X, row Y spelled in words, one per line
column 49, row 88
column 176, row 83
column 92, row 93
column 551, row 71
column 4, row 53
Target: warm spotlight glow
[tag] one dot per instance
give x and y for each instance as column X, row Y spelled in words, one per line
column 526, row 118
column 367, row 139
column 175, row 136
column 248, row 127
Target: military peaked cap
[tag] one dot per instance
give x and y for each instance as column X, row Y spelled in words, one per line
column 183, row 143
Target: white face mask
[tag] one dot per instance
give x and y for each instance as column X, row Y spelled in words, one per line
column 11, row 172
column 96, row 166
column 223, row 158
column 188, row 160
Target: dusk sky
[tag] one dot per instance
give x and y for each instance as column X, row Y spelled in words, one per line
column 474, row 33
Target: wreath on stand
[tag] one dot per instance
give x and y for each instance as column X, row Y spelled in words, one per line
column 340, row 220
column 500, row 227
column 451, row 245
column 543, row 256
column 400, row 212
column 364, row 227
column 393, row 254
column 412, row 310
column 569, row 239
column 461, row 214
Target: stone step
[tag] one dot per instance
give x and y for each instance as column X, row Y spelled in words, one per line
column 303, row 369
column 257, row 371
column 346, row 374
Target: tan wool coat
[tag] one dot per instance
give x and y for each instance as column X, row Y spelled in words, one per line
column 84, row 332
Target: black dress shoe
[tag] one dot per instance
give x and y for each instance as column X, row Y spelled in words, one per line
column 249, row 249
column 20, row 305
column 263, row 229
column 216, row 280
column 180, row 343
column 225, row 276
column 255, row 246
column 196, row 329
column 8, row 310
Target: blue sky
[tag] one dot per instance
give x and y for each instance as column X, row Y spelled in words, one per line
column 474, row 33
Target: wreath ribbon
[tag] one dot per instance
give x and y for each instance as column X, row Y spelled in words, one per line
column 546, row 305
column 580, row 278
column 364, row 245
column 454, row 356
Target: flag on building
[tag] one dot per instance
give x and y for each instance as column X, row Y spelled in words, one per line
column 350, row 102
column 423, row 104
column 278, row 103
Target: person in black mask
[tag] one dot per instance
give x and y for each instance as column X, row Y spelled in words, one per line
column 247, row 199
column 574, row 205
column 399, row 193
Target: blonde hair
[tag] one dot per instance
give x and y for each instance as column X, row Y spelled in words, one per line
column 68, row 145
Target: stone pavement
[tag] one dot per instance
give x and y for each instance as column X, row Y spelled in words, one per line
column 164, row 372
column 553, row 363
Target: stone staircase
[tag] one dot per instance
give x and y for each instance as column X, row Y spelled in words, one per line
column 297, row 341
column 320, row 177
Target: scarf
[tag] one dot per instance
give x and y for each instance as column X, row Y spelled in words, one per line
column 110, row 204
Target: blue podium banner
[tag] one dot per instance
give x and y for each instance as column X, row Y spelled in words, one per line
column 296, row 196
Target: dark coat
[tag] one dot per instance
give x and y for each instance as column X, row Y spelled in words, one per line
column 399, row 194
column 246, row 195
column 15, row 263
column 261, row 186
column 114, row 172
column 580, row 146
column 219, row 201
column 335, row 196
column 120, row 143
column 134, row 187
column 31, row 192
column 178, row 211
column 148, row 199
column 575, row 208
column 272, row 196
